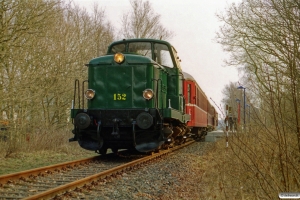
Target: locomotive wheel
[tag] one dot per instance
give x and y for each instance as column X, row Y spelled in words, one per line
column 157, row 151
column 103, row 151
column 115, row 150
column 150, row 153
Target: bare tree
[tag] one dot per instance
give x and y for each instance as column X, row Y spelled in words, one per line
column 43, row 48
column 268, row 53
column 20, row 21
column 263, row 37
column 143, row 22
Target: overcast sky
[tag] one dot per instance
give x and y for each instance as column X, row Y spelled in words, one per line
column 194, row 24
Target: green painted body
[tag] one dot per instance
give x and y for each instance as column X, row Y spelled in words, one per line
column 118, row 115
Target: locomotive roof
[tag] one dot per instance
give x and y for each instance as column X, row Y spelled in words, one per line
column 142, row 40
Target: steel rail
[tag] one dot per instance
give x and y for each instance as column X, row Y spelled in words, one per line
column 52, row 193
column 43, row 170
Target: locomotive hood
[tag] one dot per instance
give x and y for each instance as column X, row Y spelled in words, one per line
column 121, row 85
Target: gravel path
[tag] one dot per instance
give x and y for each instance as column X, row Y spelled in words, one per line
column 177, row 176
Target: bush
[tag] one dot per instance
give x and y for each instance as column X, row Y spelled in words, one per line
column 256, row 165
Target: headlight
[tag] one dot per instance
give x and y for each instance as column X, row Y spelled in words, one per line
column 148, row 94
column 119, row 58
column 89, row 93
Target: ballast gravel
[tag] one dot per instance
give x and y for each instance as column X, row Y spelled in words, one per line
column 176, row 176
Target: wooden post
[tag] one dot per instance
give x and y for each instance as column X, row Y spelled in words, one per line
column 226, row 122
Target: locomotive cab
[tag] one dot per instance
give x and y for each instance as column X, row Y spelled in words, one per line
column 133, row 99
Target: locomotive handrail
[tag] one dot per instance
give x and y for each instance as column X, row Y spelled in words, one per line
column 83, row 93
column 76, row 87
column 156, row 92
column 156, row 97
column 156, row 106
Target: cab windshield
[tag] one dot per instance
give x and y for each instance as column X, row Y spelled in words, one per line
column 158, row 52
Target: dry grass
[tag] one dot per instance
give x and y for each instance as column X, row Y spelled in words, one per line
column 39, row 140
column 38, row 149
column 256, row 165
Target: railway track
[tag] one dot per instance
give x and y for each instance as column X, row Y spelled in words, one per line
column 63, row 179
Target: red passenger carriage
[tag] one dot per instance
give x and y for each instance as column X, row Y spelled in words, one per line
column 203, row 115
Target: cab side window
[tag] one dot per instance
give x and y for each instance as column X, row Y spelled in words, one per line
column 162, row 55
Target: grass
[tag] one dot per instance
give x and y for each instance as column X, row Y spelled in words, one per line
column 19, row 161
column 256, row 165
column 40, row 149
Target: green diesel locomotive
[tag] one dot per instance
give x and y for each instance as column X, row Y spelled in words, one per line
column 133, row 99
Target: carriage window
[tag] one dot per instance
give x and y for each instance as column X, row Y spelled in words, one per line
column 118, row 48
column 162, row 55
column 142, row 48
